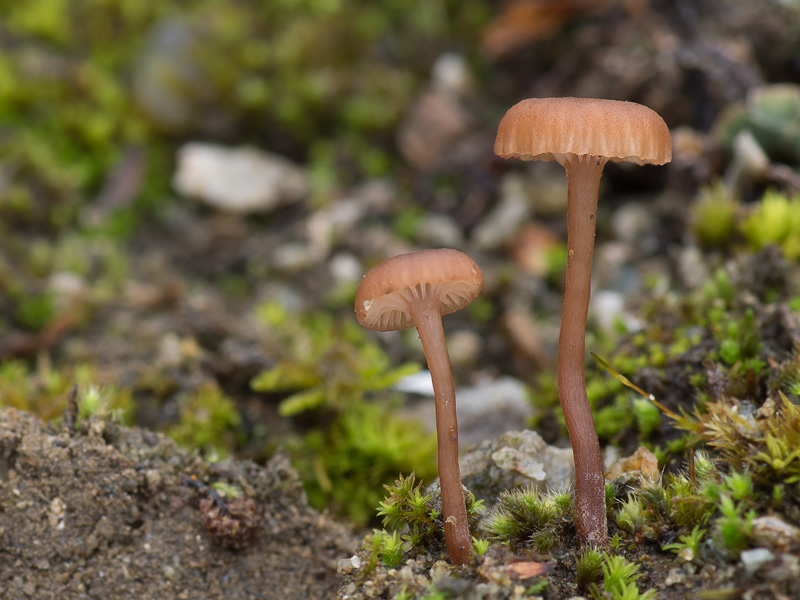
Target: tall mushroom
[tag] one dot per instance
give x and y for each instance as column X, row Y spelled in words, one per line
column 417, row 289
column 582, row 134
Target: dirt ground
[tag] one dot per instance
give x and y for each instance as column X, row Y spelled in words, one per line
column 111, row 512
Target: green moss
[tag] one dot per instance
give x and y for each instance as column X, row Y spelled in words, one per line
column 713, row 218
column 326, row 364
column 345, row 464
column 43, row 390
column 416, row 526
column 106, row 403
column 619, row 581
column 305, row 78
column 588, row 567
column 330, row 372
column 209, row 422
column 614, row 417
column 775, row 220
column 530, row 516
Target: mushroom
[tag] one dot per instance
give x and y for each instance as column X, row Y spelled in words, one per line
column 582, row 134
column 417, row 289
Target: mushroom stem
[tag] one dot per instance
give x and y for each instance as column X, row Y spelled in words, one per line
column 583, row 182
column 428, row 321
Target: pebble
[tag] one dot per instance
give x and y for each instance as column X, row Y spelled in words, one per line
column 774, row 532
column 545, row 186
column 533, row 247
column 439, row 231
column 608, row 308
column 756, row 558
column 345, row 268
column 451, row 73
column 58, row 509
column 69, row 289
column 153, row 479
column 348, row 565
column 435, row 121
column 335, row 221
column 439, row 570
column 238, row 180
column 787, row 569
column 516, row 459
column 615, row 267
column 507, row 217
column 292, row 257
column 674, row 577
column 168, row 84
column 634, row 223
column 692, row 269
column 465, row 348
column 485, row 410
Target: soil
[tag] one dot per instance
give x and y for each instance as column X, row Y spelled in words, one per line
column 105, row 511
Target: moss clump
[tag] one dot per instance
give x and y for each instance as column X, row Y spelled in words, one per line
column 713, row 219
column 775, row 220
column 326, row 365
column 619, row 580
column 44, row 391
column 344, row 463
column 209, row 422
column 530, row 516
column 333, row 380
column 719, row 221
column 415, row 522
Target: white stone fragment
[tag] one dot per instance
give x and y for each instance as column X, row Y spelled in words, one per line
column 756, row 558
column 238, row 180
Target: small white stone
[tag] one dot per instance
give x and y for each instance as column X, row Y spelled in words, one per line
column 674, row 577
column 451, row 73
column 439, row 569
column 686, row 554
column 754, row 559
column 238, row 180
column 507, row 216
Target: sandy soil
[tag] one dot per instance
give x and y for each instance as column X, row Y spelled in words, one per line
column 111, row 512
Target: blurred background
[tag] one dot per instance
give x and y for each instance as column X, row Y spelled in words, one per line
column 190, row 193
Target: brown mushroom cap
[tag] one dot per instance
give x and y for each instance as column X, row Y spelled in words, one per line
column 539, row 128
column 384, row 298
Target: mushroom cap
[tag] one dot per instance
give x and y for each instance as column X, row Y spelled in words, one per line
column 449, row 278
column 539, row 128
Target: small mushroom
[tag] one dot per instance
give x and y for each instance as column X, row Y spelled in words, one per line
column 582, row 134
column 417, row 289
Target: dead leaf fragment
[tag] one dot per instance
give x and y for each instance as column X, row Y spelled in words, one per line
column 642, row 462
column 528, row 569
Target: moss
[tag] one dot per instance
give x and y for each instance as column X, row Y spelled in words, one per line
column 309, row 79
column 353, row 440
column 531, row 518
column 413, row 524
column 713, row 218
column 344, row 465
column 775, row 220
column 209, row 421
column 326, row 364
column 43, row 390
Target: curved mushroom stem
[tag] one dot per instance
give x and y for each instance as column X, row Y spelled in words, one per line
column 428, row 321
column 583, row 182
